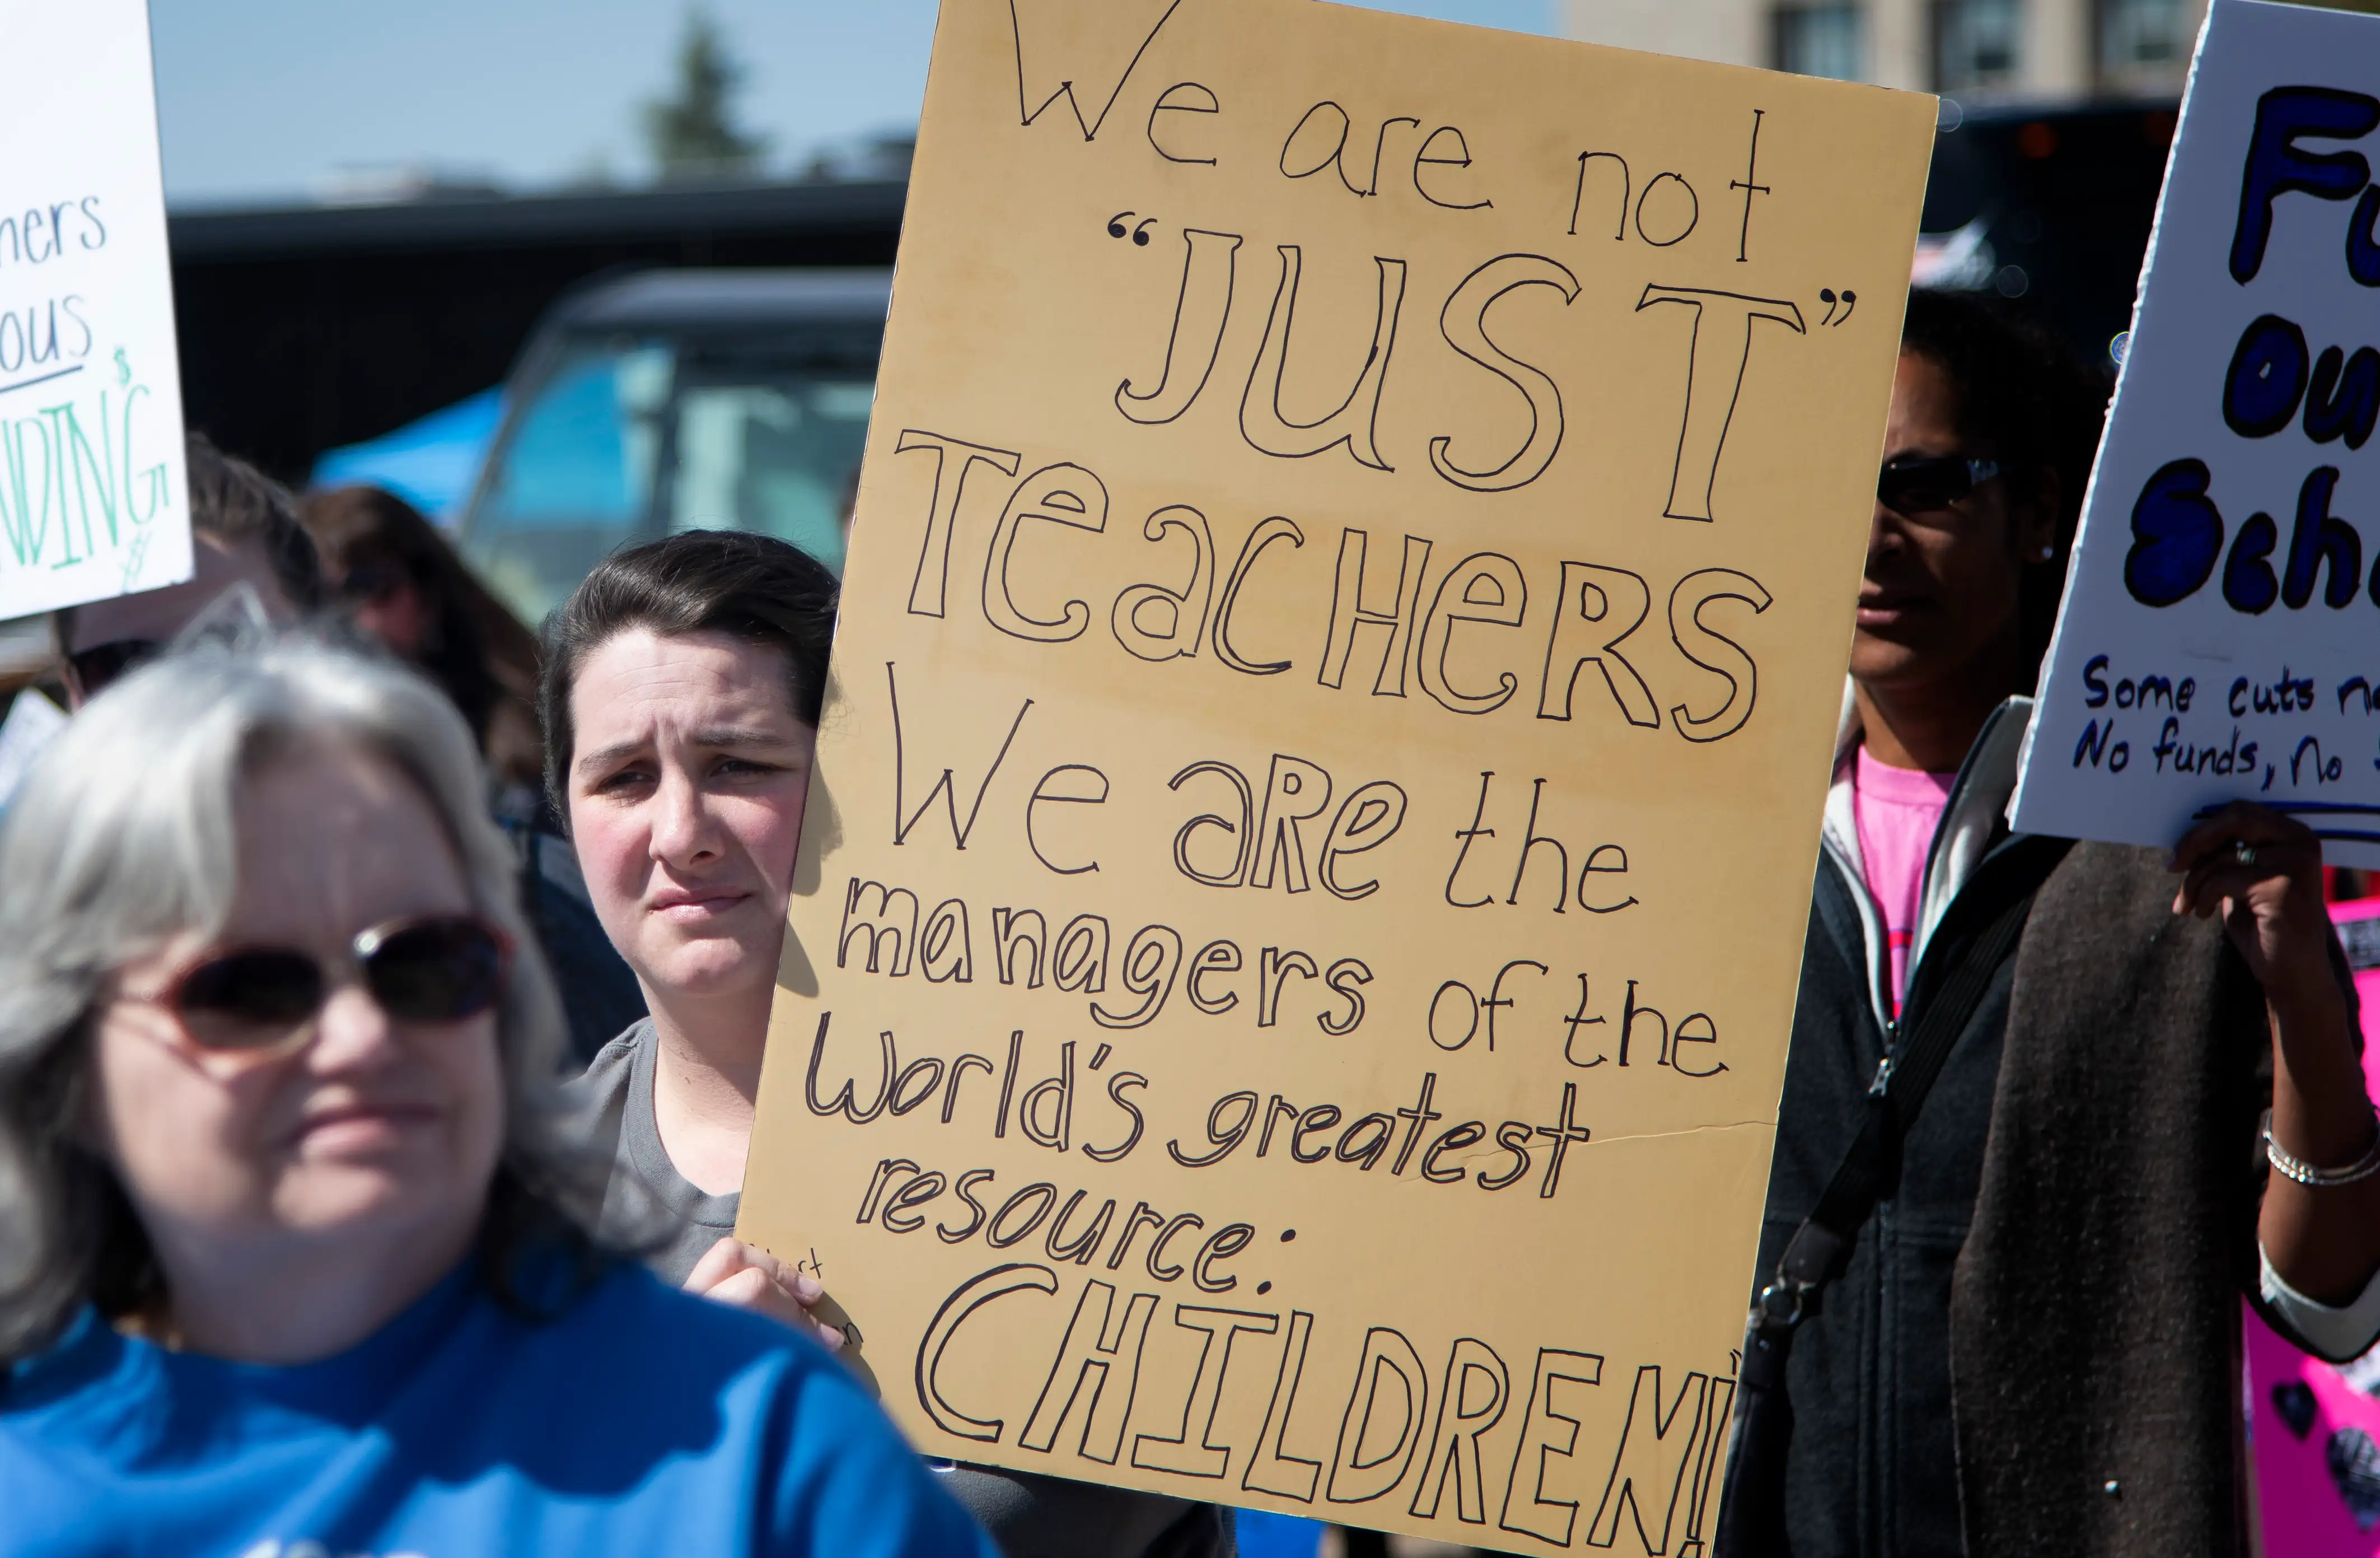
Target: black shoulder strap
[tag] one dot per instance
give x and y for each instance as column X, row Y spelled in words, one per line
column 1908, row 1074
column 1750, row 1514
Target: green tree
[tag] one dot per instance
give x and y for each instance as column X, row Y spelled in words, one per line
column 692, row 133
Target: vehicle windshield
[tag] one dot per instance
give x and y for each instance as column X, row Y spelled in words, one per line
column 631, row 438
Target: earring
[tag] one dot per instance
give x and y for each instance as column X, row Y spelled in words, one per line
column 2046, row 554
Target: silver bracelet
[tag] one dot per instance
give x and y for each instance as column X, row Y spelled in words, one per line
column 2305, row 1173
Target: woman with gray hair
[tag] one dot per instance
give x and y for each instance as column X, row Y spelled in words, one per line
column 292, row 1254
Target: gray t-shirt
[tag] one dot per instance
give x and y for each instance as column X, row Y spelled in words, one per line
column 1030, row 1515
column 646, row 1197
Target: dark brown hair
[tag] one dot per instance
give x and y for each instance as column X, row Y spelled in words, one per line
column 750, row 586
column 2027, row 402
column 472, row 645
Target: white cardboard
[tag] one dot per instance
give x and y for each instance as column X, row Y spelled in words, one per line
column 91, row 494
column 2281, row 703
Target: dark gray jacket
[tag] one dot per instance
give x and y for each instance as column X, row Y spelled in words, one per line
column 2033, row 1347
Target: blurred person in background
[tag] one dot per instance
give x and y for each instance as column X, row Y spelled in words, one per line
column 2008, row 1319
column 682, row 690
column 294, row 1252
column 244, row 531
column 403, row 586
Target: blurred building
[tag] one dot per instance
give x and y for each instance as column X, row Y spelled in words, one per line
column 1978, row 51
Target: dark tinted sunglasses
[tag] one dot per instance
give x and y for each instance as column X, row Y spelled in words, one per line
column 372, row 583
column 263, row 1001
column 1923, row 489
column 101, row 664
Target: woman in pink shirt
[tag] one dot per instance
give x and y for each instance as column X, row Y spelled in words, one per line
column 2019, row 1176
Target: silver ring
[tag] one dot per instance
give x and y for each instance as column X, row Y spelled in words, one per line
column 2243, row 852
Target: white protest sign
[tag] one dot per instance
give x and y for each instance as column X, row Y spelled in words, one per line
column 2220, row 637
column 92, row 501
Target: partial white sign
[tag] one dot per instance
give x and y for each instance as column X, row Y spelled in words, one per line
column 92, row 497
column 32, row 723
column 2220, row 636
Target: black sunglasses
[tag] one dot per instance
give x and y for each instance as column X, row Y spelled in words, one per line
column 263, row 1001
column 101, row 664
column 372, row 583
column 1917, row 489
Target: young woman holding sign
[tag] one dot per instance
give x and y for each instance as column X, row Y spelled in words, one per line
column 2019, row 1185
column 295, row 1251
column 683, row 684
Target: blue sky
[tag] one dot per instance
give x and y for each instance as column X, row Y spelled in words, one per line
column 260, row 100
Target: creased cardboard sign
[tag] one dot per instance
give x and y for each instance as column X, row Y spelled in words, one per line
column 91, row 499
column 2217, row 637
column 1301, row 902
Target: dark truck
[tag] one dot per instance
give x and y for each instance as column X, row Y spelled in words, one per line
column 675, row 400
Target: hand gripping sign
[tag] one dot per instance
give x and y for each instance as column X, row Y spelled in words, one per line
column 1305, row 884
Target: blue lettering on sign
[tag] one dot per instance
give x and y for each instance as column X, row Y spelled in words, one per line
column 2267, row 378
column 2277, row 165
column 2177, row 535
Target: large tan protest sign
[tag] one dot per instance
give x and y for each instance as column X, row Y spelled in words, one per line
column 1304, row 888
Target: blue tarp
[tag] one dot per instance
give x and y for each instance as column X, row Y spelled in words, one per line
column 430, row 463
